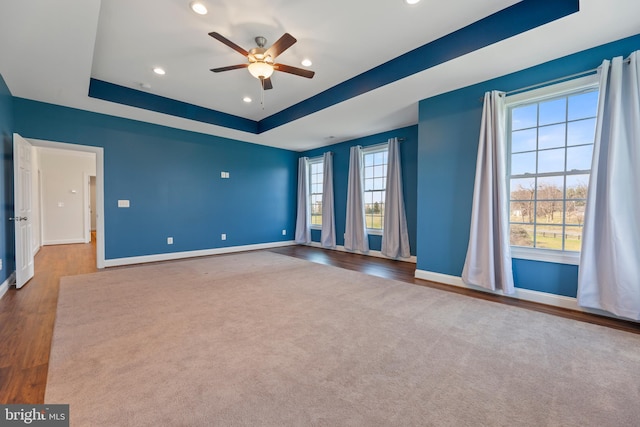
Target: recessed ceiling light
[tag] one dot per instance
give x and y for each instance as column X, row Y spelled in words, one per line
column 246, row 99
column 412, row 1
column 159, row 71
column 198, row 7
column 307, row 62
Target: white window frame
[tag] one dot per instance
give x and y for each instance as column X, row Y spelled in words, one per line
column 310, row 162
column 378, row 148
column 575, row 86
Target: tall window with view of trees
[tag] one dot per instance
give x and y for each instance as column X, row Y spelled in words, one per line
column 316, row 175
column 551, row 147
column 375, row 182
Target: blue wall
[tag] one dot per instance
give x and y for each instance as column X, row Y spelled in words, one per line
column 408, row 155
column 172, row 178
column 7, row 231
column 449, row 127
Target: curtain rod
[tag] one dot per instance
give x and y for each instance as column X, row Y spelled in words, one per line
column 559, row 79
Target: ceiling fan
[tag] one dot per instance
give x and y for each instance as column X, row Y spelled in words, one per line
column 261, row 62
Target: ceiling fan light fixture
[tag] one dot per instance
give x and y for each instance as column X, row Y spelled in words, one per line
column 159, row 71
column 261, row 70
column 411, row 2
column 307, row 62
column 198, row 7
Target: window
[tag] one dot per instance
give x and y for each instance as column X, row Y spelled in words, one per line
column 550, row 134
column 375, row 182
column 316, row 176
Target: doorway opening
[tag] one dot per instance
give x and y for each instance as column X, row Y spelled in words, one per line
column 55, row 196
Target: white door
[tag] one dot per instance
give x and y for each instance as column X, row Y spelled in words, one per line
column 22, row 213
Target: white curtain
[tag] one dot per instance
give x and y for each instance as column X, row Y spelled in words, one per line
column 488, row 262
column 355, row 236
column 609, row 273
column 328, row 234
column 303, row 218
column 395, row 236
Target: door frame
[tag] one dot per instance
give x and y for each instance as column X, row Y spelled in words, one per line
column 99, row 152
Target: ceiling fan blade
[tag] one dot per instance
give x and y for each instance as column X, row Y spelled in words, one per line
column 282, row 44
column 266, row 84
column 294, row 70
column 230, row 67
column 229, row 43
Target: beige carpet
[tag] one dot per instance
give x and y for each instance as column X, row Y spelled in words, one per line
column 261, row 339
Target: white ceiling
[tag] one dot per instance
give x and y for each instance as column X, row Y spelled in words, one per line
column 49, row 51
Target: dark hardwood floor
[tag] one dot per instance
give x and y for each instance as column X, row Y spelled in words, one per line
column 26, row 321
column 27, row 315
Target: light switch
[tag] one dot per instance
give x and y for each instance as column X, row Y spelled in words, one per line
column 123, row 203
column 61, row 204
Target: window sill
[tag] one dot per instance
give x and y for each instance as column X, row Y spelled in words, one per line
column 373, row 232
column 546, row 255
column 315, row 227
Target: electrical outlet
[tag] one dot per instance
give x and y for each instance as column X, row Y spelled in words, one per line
column 0, row 264
column 169, row 240
column 223, row 236
column 284, row 232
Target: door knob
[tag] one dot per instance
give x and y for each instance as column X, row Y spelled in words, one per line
column 18, row 218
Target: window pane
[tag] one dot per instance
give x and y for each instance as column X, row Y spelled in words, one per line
column 369, row 221
column 575, row 212
column 550, row 187
column 549, row 237
column 368, row 159
column 549, row 212
column 368, row 173
column 524, row 117
column 377, row 196
column 581, row 132
column 521, row 211
column 378, row 158
column 378, row 184
column 368, row 184
column 551, row 161
column 523, row 140
column 579, row 158
column 554, row 111
column 378, row 171
column 523, row 163
column 577, row 186
column 583, row 105
column 385, row 155
column 521, row 235
column 573, row 238
column 522, row 188
column 551, row 136
column 368, row 197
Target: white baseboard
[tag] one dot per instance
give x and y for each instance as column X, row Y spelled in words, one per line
column 376, row 254
column 522, row 294
column 114, row 262
column 62, row 242
column 5, row 285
